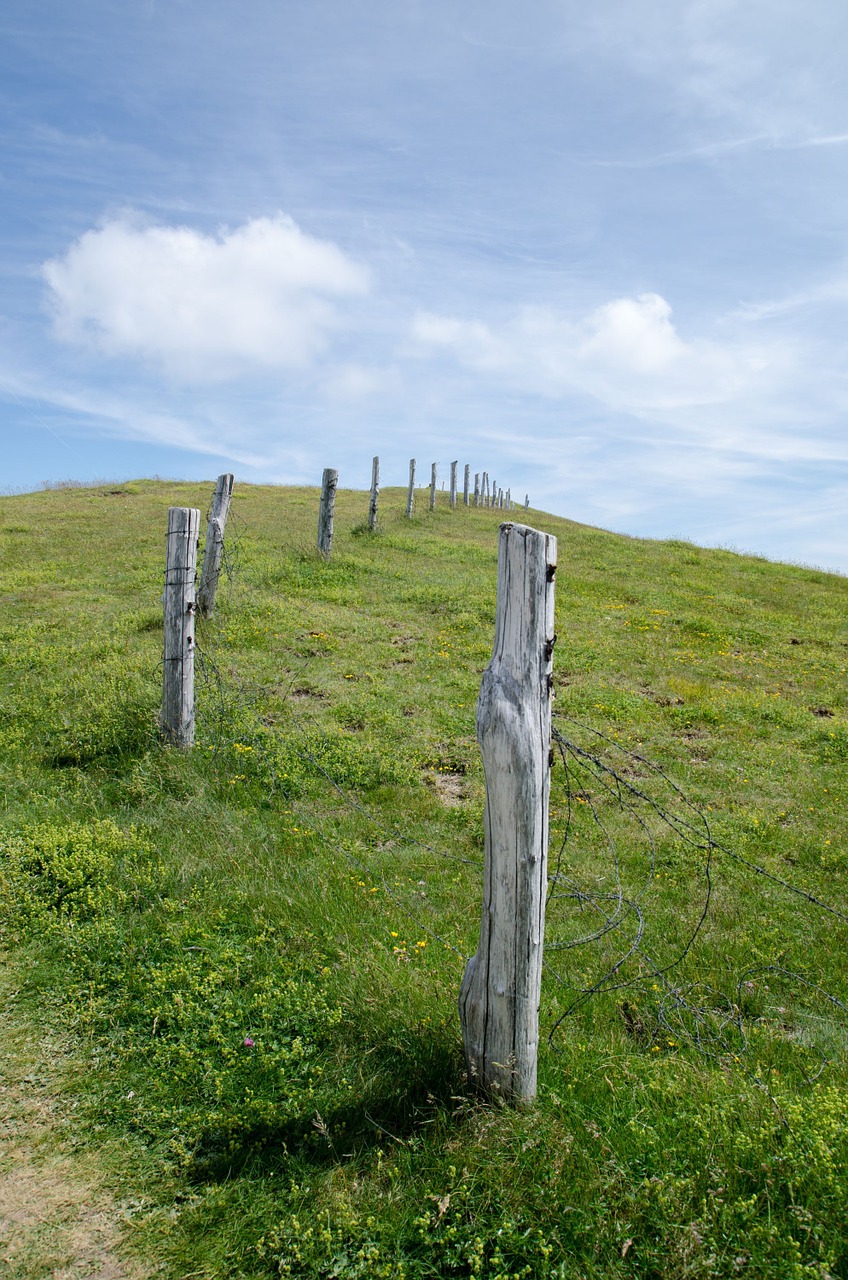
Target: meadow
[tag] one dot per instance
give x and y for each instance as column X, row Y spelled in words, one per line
column 243, row 960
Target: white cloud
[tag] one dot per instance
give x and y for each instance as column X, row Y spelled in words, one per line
column 202, row 308
column 627, row 354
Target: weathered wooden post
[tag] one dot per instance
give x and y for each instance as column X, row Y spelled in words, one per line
column 485, row 488
column 375, row 490
column 527, row 502
column 433, row 487
column 214, row 549
column 476, row 488
column 410, row 496
column 177, row 717
column 499, row 998
column 326, row 511
column 466, row 485
column 453, row 486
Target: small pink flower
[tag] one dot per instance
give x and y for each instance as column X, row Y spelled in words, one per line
column 248, row 1043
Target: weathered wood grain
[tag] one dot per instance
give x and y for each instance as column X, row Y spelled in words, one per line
column 213, row 551
column 326, row 511
column 499, row 998
column 177, row 716
column 375, row 493
column 410, row 496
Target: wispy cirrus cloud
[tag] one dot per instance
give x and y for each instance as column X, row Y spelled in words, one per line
column 202, row 308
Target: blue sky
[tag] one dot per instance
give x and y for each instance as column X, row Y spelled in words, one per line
column 600, row 251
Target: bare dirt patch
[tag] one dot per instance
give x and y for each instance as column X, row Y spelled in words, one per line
column 57, row 1220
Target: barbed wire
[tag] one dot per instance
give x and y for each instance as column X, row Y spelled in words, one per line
column 713, row 1022
column 710, row 1020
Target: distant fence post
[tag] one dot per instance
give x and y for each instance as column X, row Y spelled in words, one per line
column 214, row 549
column 527, row 502
column 466, row 485
column 433, row 487
column 410, row 496
column 326, row 511
column 177, row 717
column 499, row 998
column 375, row 490
column 476, row 488
column 485, row 488
column 453, row 486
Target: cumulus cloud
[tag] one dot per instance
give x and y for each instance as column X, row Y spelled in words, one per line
column 265, row 295
column 627, row 354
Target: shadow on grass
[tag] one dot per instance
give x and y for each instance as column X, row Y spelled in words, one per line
column 408, row 1092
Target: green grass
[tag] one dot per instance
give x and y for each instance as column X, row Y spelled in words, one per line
column 256, row 946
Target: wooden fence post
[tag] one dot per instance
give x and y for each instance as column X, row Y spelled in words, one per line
column 213, row 551
column 453, row 486
column 476, row 488
column 433, row 487
column 177, row 717
column 499, row 998
column 466, row 485
column 410, row 496
column 375, row 490
column 485, row 488
column 326, row 511
column 527, row 502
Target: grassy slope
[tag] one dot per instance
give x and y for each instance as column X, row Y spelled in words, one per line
column 178, row 904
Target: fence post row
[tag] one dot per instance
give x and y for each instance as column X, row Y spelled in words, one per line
column 433, row 487
column 375, row 490
column 499, row 997
column 178, row 600
column 410, row 496
column 213, row 551
column 326, row 511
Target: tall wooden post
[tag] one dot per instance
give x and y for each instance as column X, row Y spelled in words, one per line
column 527, row 502
column 375, row 490
column 326, row 511
column 485, row 488
column 476, row 488
column 213, row 551
column 410, row 496
column 499, row 998
column 177, row 717
column 466, row 485
column 433, row 487
column 453, row 486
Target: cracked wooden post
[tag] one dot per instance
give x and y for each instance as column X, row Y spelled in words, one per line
column 466, row 484
column 476, row 488
column 375, row 490
column 499, row 998
column 213, row 551
column 410, row 496
column 326, row 511
column 177, row 716
column 453, row 466
column 433, row 487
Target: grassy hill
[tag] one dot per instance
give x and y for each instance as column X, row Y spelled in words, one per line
column 252, row 951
